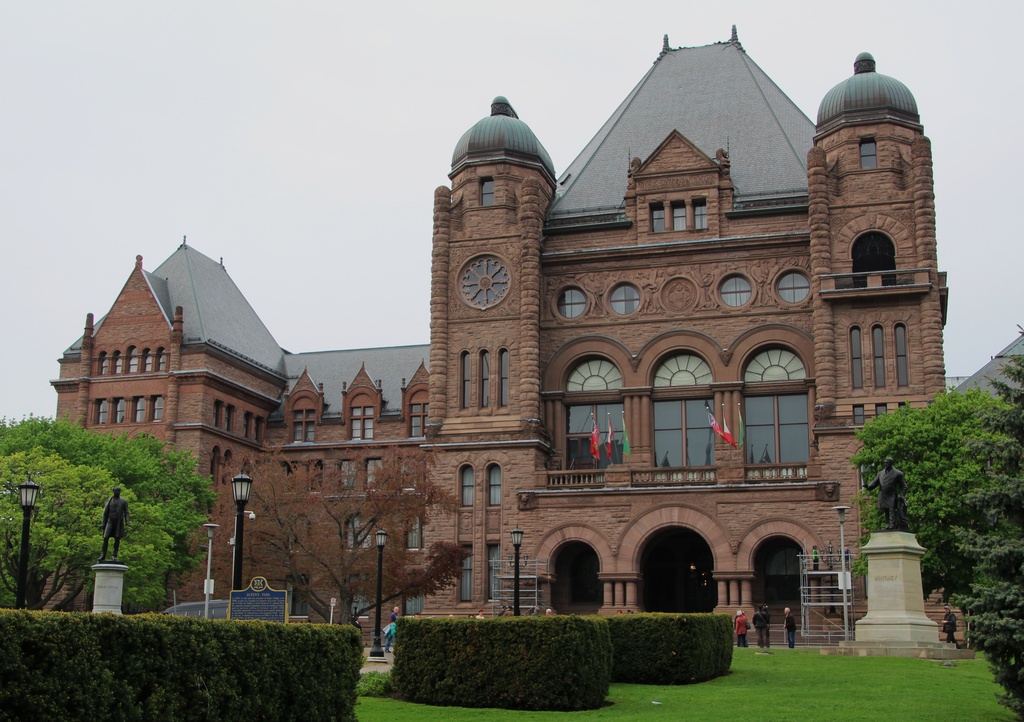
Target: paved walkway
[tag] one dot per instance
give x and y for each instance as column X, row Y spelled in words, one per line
column 369, row 666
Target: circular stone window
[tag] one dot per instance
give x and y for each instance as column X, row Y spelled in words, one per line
column 484, row 281
column 625, row 299
column 735, row 291
column 571, row 303
column 793, row 287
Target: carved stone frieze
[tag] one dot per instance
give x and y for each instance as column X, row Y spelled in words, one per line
column 690, row 181
column 679, row 294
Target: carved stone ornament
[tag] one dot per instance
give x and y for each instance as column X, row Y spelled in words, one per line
column 484, row 281
column 528, row 501
column 829, row 491
column 679, row 294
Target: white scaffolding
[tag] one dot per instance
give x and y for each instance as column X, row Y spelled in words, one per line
column 533, row 585
column 821, row 599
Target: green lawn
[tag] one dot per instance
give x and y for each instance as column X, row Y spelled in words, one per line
column 786, row 685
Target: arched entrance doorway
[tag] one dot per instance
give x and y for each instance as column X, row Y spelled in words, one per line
column 577, row 589
column 780, row 569
column 677, row 567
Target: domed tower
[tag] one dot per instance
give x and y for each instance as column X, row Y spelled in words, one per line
column 881, row 300
column 485, row 376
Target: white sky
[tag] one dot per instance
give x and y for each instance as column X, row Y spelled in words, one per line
column 301, row 140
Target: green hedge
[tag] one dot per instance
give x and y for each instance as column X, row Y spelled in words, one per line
column 99, row 666
column 670, row 648
column 526, row 663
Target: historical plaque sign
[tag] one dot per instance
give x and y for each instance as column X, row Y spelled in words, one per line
column 259, row 601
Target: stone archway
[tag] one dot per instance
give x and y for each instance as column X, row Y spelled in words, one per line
column 577, row 589
column 677, row 568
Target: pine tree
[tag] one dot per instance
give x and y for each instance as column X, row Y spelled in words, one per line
column 997, row 605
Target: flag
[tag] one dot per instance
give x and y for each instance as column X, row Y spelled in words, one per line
column 595, row 441
column 625, row 437
column 739, row 412
column 611, row 436
column 726, row 434
column 713, row 423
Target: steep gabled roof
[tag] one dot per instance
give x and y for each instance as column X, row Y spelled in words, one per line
column 215, row 311
column 716, row 97
column 982, row 379
column 335, row 369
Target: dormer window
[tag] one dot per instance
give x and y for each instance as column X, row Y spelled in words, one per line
column 700, row 214
column 868, row 153
column 303, row 425
column 362, row 420
column 678, row 216
column 487, row 192
column 658, row 218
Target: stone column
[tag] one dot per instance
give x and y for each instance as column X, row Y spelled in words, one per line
column 896, row 601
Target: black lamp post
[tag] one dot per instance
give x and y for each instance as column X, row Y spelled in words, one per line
column 28, row 492
column 517, row 541
column 241, row 485
column 376, row 651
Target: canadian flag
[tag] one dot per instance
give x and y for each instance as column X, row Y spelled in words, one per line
column 595, row 442
column 611, row 435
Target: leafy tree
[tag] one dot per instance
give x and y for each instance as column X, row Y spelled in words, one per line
column 933, row 448
column 77, row 470
column 315, row 527
column 997, row 601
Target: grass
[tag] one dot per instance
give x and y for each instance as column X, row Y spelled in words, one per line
column 786, row 685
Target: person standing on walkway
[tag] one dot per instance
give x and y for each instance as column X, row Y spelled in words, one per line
column 389, row 634
column 741, row 629
column 762, row 623
column 949, row 627
column 790, row 628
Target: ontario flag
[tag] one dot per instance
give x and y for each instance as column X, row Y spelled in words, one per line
column 595, row 441
column 718, row 429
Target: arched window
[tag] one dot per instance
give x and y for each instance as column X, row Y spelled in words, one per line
column 466, row 483
column 902, row 371
column 485, row 379
column 465, row 379
column 120, row 409
column 363, row 414
column 140, row 409
column 133, row 360
column 158, row 408
column 161, row 359
column 682, row 370
column 776, row 426
column 873, row 252
column 418, row 409
column 594, row 375
column 118, row 363
column 102, row 409
column 494, row 485
column 856, row 358
column 878, row 355
column 147, row 361
column 503, row 391
column 775, row 364
column 104, row 363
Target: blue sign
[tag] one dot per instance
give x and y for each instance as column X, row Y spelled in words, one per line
column 259, row 601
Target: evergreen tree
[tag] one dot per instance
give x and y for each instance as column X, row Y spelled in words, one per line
column 997, row 603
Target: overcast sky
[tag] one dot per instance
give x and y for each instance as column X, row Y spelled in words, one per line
column 300, row 141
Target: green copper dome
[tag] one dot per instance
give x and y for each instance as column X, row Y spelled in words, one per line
column 867, row 95
column 501, row 135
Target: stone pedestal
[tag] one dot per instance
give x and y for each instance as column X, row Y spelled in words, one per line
column 896, row 625
column 109, row 587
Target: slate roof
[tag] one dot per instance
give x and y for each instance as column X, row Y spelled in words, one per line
column 982, row 379
column 716, row 97
column 215, row 311
column 333, row 369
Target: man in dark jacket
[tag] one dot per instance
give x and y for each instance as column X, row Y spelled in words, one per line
column 892, row 490
column 115, row 522
column 949, row 627
column 762, row 623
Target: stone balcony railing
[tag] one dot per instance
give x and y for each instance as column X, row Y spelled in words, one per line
column 909, row 280
column 660, row 476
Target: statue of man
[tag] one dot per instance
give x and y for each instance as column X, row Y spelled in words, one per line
column 115, row 522
column 892, row 490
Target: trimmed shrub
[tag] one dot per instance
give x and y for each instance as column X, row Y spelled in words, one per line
column 375, row 684
column 99, row 666
column 670, row 648
column 526, row 663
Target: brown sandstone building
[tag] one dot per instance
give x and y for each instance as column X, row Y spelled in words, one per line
column 748, row 264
